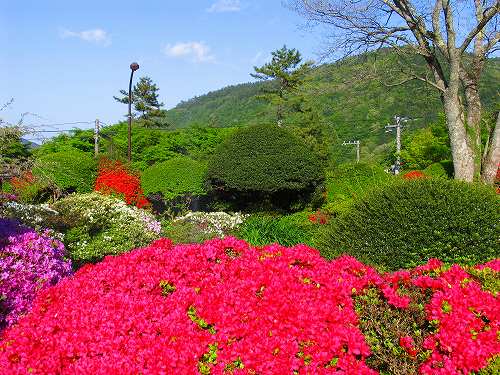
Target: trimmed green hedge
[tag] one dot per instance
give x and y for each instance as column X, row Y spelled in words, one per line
column 405, row 223
column 175, row 177
column 347, row 181
column 264, row 158
column 69, row 170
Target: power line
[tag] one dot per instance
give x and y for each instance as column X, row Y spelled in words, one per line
column 55, row 131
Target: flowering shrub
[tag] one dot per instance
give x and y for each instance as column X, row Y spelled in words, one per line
column 38, row 216
column 224, row 306
column 412, row 175
column 196, row 227
column 218, row 223
column 29, row 188
column 114, row 178
column 99, row 225
column 29, row 262
column 7, row 197
column 21, row 182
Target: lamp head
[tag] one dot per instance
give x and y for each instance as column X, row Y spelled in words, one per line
column 134, row 66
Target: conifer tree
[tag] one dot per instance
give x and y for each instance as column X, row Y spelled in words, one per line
column 144, row 97
column 288, row 74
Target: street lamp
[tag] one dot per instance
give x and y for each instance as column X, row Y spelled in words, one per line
column 133, row 67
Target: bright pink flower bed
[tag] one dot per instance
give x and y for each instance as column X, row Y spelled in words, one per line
column 272, row 309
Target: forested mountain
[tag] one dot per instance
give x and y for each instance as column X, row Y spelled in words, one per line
column 356, row 96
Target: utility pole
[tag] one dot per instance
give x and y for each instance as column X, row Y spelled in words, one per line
column 96, row 138
column 357, row 143
column 398, row 126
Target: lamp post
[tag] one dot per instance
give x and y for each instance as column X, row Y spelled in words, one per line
column 133, row 67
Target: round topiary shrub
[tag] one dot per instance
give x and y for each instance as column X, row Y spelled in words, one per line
column 403, row 224
column 69, row 170
column 264, row 159
column 175, row 177
column 96, row 225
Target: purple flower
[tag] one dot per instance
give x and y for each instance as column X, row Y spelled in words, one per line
column 29, row 262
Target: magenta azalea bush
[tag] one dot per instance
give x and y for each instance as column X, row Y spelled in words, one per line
column 226, row 307
column 29, row 262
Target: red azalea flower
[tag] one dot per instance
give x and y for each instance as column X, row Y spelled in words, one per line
column 412, row 175
column 115, row 178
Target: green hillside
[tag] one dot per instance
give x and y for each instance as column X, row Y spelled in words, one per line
column 350, row 94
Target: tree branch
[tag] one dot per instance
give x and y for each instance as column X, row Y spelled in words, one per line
column 488, row 14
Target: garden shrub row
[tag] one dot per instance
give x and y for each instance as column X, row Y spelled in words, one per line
column 70, row 170
column 347, row 181
column 175, row 177
column 403, row 224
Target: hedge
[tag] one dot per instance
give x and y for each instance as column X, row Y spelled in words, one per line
column 264, row 158
column 69, row 170
column 405, row 223
column 174, row 177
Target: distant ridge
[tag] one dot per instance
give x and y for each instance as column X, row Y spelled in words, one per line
column 357, row 106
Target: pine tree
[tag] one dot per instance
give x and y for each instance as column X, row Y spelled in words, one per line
column 144, row 97
column 287, row 74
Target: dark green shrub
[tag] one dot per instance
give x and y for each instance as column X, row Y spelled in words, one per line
column 69, row 170
column 347, row 181
column 403, row 224
column 175, row 177
column 264, row 158
column 260, row 230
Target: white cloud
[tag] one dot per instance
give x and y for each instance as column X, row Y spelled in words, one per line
column 221, row 6
column 98, row 36
column 198, row 51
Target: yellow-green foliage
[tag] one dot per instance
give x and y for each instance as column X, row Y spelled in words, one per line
column 175, row 177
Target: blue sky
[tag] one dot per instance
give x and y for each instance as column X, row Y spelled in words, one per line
column 64, row 60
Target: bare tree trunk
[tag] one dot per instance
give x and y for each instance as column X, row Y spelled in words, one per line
column 492, row 160
column 462, row 152
column 473, row 124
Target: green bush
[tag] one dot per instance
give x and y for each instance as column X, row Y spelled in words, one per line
column 175, row 177
column 290, row 230
column 405, row 223
column 436, row 170
column 350, row 180
column 186, row 232
column 264, row 158
column 97, row 225
column 70, row 170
